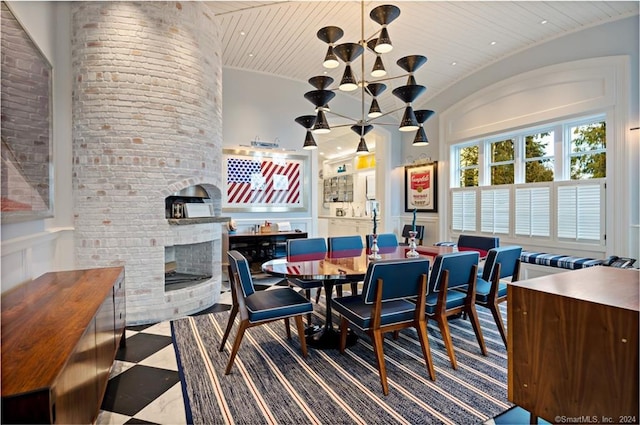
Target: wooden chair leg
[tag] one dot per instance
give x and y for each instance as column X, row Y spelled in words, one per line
column 443, row 324
column 473, row 315
column 286, row 325
column 236, row 344
column 301, row 335
column 354, row 288
column 396, row 335
column 232, row 318
column 338, row 291
column 426, row 349
column 344, row 328
column 495, row 310
column 318, row 293
column 378, row 341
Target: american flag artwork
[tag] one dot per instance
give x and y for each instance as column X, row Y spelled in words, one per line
column 263, row 181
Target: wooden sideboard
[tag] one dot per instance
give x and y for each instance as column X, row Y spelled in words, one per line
column 60, row 335
column 573, row 345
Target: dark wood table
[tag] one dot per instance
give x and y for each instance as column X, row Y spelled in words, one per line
column 573, row 345
column 336, row 268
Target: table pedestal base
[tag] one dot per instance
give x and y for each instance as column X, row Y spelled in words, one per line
column 329, row 338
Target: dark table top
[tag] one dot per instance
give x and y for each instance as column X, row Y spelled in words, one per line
column 339, row 264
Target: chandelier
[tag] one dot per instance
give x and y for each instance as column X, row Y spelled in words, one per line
column 378, row 44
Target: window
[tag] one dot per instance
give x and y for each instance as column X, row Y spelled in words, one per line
column 588, row 151
column 538, row 158
column 468, row 166
column 502, row 162
column 546, row 183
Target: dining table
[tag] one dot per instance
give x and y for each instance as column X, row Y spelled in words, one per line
column 335, row 268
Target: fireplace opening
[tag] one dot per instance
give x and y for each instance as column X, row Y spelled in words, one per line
column 187, row 265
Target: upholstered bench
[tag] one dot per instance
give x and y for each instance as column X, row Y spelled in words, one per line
column 560, row 261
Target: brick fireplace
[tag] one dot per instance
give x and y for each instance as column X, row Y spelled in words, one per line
column 147, row 123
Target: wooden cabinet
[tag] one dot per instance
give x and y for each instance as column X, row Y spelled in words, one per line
column 350, row 226
column 60, row 334
column 573, row 345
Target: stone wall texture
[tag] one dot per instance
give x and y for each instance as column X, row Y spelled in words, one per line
column 147, row 122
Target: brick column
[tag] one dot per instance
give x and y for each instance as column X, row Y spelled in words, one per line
column 147, row 122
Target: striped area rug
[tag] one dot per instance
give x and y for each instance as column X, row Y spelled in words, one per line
column 271, row 383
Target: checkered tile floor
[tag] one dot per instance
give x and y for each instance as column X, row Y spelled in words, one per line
column 144, row 386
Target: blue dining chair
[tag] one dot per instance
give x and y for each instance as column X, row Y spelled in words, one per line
column 449, row 272
column 348, row 246
column 306, row 250
column 393, row 298
column 501, row 263
column 405, row 234
column 259, row 307
column 384, row 240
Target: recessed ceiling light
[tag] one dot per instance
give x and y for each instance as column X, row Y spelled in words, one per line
column 454, row 63
column 250, row 55
column 339, row 148
column 544, row 21
column 243, row 33
column 493, row 43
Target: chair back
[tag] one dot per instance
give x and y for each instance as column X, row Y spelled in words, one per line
column 239, row 266
column 345, row 243
column 479, row 243
column 385, row 240
column 306, row 249
column 507, row 257
column 401, row 277
column 460, row 267
column 419, row 230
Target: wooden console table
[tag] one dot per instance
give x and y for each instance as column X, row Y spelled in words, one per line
column 573, row 345
column 60, row 334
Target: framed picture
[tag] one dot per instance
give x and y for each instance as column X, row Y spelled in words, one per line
column 264, row 181
column 27, row 147
column 421, row 187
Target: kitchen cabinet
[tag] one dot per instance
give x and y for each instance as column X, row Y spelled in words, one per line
column 350, row 226
column 338, row 189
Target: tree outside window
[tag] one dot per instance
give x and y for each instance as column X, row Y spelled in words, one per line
column 502, row 162
column 469, row 166
column 539, row 157
column 588, row 155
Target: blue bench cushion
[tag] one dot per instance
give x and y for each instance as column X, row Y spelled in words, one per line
column 555, row 260
column 275, row 304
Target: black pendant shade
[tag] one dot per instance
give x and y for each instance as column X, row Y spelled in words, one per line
column 384, row 14
column 348, row 81
column 306, row 121
column 347, row 54
column 362, row 147
column 330, row 34
column 422, row 115
column 361, row 130
column 421, row 138
column 319, row 97
column 411, row 63
column 321, row 82
column 376, row 89
column 321, row 125
column 409, row 93
column 409, row 122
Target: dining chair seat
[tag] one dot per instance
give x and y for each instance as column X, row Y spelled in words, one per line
column 483, row 288
column 275, row 304
column 454, row 299
column 359, row 314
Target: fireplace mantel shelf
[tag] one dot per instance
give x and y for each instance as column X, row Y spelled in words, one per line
column 198, row 220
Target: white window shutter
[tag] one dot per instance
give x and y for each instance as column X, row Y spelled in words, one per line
column 495, row 211
column 533, row 216
column 463, row 210
column 579, row 211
